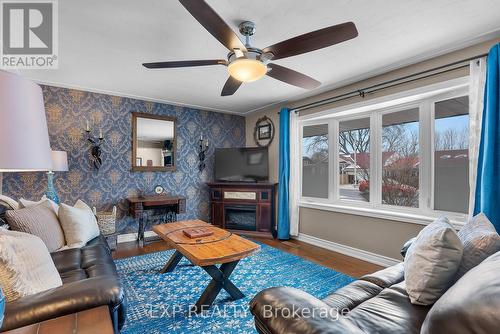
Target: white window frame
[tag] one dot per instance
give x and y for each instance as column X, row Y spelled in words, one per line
column 331, row 160
column 337, row 153
column 424, row 98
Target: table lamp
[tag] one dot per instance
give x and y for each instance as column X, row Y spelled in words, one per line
column 24, row 138
column 59, row 164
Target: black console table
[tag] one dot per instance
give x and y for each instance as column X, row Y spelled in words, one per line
column 138, row 206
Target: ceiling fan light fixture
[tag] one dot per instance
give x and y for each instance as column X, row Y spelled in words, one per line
column 247, row 63
column 247, row 70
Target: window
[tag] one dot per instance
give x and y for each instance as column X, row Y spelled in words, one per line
column 400, row 158
column 406, row 159
column 315, row 161
column 354, row 159
column 451, row 155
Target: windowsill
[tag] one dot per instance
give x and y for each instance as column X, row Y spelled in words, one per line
column 457, row 220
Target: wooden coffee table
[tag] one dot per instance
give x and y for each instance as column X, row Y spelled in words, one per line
column 222, row 247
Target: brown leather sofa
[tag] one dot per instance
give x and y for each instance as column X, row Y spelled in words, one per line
column 378, row 303
column 89, row 280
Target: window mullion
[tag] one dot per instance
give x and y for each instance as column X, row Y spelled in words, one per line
column 376, row 159
column 425, row 170
column 333, row 160
column 432, row 114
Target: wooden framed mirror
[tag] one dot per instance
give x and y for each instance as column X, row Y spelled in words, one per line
column 153, row 143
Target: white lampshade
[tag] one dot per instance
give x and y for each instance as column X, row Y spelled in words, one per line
column 24, row 138
column 59, row 161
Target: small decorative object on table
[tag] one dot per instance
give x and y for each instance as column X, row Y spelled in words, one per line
column 159, row 190
column 107, row 225
column 197, row 232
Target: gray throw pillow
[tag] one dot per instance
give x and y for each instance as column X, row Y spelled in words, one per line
column 471, row 305
column 39, row 220
column 480, row 240
column 432, row 261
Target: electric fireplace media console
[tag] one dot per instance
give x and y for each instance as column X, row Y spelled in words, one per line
column 244, row 208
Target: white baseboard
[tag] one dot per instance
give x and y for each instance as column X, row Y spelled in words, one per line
column 129, row 237
column 381, row 260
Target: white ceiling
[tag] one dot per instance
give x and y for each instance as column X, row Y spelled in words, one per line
column 103, row 43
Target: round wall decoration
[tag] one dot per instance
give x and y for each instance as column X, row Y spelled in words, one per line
column 159, row 190
column 263, row 132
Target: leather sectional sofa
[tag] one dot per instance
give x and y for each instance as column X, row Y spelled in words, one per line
column 89, row 279
column 378, row 303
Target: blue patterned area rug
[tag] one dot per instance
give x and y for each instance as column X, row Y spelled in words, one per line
column 159, row 303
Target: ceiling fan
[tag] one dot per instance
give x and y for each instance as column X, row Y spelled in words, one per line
column 246, row 63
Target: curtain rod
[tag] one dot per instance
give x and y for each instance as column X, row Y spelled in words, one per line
column 390, row 83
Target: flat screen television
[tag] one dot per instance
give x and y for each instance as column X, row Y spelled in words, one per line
column 246, row 164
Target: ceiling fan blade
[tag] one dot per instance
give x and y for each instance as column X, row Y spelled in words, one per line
column 230, row 87
column 314, row 40
column 215, row 25
column 184, row 63
column 292, row 77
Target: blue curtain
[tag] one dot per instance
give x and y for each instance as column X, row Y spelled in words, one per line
column 284, row 176
column 488, row 169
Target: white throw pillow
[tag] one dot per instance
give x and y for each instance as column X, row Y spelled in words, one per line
column 79, row 224
column 26, row 267
column 431, row 262
column 24, row 203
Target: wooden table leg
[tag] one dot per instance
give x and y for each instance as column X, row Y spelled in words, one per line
column 220, row 280
column 172, row 263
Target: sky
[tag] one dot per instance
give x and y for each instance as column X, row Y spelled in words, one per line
column 441, row 125
column 456, row 122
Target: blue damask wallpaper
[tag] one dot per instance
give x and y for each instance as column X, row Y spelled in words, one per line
column 67, row 112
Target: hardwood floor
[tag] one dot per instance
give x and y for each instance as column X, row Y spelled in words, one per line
column 339, row 262
column 128, row 249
